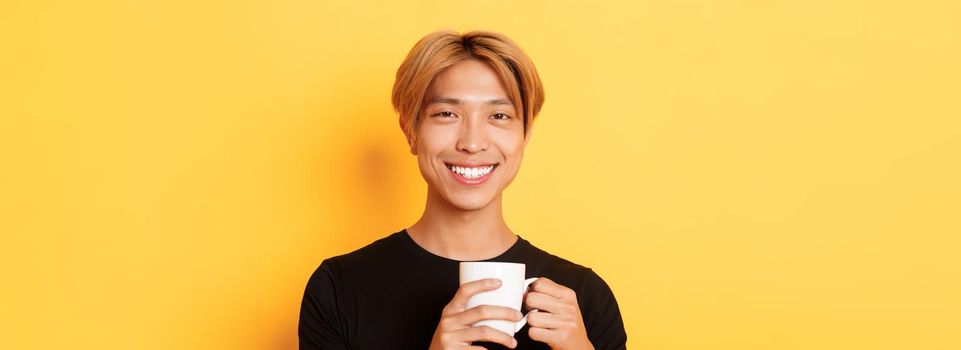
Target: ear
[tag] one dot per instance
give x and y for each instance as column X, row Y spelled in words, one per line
column 410, row 142
column 527, row 137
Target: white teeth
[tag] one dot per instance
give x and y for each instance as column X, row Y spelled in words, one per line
column 471, row 173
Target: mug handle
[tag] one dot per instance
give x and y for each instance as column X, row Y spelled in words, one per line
column 523, row 321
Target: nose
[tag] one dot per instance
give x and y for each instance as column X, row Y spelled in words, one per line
column 473, row 136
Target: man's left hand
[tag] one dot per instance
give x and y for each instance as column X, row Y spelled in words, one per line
column 558, row 321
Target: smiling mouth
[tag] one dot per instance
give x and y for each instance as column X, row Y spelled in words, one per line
column 472, row 172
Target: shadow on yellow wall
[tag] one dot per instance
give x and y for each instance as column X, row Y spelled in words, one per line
column 747, row 175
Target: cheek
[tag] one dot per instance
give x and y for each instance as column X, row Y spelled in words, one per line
column 428, row 150
column 435, row 138
column 511, row 145
column 431, row 144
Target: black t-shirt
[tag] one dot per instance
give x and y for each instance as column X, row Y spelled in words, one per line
column 390, row 294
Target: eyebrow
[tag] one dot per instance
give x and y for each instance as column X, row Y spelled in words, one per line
column 455, row 101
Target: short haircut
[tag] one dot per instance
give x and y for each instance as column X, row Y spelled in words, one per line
column 440, row 50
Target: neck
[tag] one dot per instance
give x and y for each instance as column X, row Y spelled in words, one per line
column 463, row 235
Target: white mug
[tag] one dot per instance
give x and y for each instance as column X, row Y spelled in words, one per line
column 510, row 293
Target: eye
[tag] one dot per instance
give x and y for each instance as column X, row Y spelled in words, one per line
column 501, row 116
column 445, row 114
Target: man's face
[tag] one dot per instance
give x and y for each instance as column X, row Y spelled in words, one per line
column 470, row 138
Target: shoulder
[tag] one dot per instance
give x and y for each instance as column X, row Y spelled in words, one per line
column 329, row 306
column 367, row 258
column 583, row 280
column 599, row 309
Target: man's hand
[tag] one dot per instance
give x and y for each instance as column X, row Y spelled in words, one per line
column 559, row 322
column 454, row 330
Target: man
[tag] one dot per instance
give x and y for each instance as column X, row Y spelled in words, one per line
column 467, row 105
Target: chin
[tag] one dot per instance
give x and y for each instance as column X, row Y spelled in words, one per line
column 469, row 202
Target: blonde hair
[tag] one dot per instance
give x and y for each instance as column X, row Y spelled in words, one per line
column 439, row 50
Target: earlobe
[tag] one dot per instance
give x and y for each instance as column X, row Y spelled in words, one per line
column 412, row 145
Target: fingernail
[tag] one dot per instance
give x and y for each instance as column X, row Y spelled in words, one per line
column 494, row 282
column 513, row 343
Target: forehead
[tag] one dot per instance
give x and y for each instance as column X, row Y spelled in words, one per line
column 468, row 79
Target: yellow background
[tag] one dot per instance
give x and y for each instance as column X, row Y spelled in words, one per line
column 744, row 174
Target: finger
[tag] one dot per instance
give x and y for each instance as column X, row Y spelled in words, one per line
column 542, row 335
column 544, row 302
column 546, row 286
column 488, row 334
column 467, row 290
column 546, row 320
column 487, row 312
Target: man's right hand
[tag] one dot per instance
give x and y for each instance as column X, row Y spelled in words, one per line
column 455, row 331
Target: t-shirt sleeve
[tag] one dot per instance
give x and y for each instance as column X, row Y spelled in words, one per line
column 602, row 317
column 321, row 322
